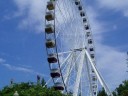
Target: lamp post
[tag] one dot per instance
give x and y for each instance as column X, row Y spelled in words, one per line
column 16, row 93
column 11, row 83
column 127, row 61
column 38, row 80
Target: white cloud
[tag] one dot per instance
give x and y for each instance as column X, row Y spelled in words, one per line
column 117, row 5
column 115, row 27
column 2, row 60
column 98, row 27
column 18, row 68
column 22, row 69
column 112, row 65
column 33, row 12
column 110, row 61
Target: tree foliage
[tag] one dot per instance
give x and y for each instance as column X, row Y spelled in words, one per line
column 102, row 93
column 121, row 90
column 32, row 89
column 29, row 89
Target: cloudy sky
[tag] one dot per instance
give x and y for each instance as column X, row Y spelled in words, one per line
column 22, row 50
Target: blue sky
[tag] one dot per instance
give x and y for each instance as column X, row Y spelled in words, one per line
column 22, row 50
column 19, row 48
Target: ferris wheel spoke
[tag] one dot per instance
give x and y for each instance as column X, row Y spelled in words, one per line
column 70, row 68
column 77, row 81
column 66, row 59
column 67, row 64
column 71, row 17
column 75, row 11
column 61, row 28
column 62, row 53
column 75, row 18
column 62, row 15
column 98, row 75
column 89, row 77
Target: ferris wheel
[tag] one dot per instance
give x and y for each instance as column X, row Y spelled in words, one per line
column 70, row 49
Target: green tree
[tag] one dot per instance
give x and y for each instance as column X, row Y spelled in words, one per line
column 43, row 82
column 122, row 89
column 29, row 89
column 102, row 93
column 124, row 93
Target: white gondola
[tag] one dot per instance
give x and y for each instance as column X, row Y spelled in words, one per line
column 50, row 43
column 88, row 34
column 51, row 5
column 49, row 29
column 93, row 71
column 77, row 2
column 52, row 58
column 94, row 93
column 80, row 7
column 91, row 49
column 55, row 73
column 84, row 20
column 86, row 27
column 94, row 86
column 94, row 78
column 89, row 41
column 49, row 16
column 59, row 86
column 82, row 14
column 92, row 56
